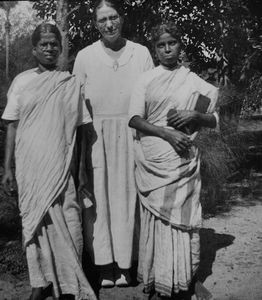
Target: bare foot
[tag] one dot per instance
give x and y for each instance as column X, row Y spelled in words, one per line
column 201, row 292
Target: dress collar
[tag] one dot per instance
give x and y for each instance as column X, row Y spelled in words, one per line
column 108, row 60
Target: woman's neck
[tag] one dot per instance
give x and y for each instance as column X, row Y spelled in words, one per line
column 42, row 68
column 116, row 45
column 171, row 67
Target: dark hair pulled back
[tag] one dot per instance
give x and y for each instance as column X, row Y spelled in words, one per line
column 167, row 27
column 45, row 28
column 115, row 4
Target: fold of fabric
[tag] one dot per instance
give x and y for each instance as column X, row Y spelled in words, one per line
column 169, row 185
column 54, row 253
column 44, row 144
column 110, row 237
column 168, row 257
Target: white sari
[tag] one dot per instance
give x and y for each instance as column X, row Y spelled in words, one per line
column 169, row 185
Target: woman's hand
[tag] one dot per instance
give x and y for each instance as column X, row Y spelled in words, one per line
column 178, row 119
column 83, row 191
column 178, row 140
column 8, row 182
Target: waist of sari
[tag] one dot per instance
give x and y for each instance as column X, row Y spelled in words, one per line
column 158, row 164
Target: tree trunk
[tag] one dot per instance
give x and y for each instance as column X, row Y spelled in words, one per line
column 62, row 23
column 7, row 39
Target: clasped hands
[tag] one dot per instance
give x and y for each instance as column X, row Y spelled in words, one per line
column 178, row 119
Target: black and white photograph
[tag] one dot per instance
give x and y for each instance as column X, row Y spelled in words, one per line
column 131, row 150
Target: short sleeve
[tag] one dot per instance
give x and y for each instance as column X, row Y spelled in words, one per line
column 137, row 101
column 12, row 109
column 78, row 69
column 149, row 64
column 84, row 115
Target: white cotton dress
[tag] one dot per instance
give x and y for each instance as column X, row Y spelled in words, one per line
column 109, row 228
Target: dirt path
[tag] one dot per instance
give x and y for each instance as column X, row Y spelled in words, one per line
column 231, row 246
column 237, row 268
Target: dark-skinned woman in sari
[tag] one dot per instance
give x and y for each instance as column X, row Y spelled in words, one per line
column 162, row 111
column 43, row 113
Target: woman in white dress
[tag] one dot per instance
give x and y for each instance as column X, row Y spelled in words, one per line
column 108, row 68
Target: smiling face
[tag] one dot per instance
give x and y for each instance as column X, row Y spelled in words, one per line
column 168, row 49
column 109, row 23
column 47, row 50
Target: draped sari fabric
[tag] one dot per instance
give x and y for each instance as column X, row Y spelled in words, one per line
column 51, row 218
column 169, row 184
column 44, row 144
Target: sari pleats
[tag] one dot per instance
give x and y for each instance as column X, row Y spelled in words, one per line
column 169, row 189
column 168, row 257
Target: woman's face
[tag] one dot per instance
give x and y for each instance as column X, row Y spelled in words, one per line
column 47, row 49
column 168, row 49
column 109, row 23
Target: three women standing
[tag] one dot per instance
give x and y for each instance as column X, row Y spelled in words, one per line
column 48, row 107
column 109, row 68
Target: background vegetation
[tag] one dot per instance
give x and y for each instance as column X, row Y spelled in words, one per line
column 223, row 44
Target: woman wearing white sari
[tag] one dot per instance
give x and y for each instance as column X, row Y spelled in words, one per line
column 167, row 167
column 43, row 112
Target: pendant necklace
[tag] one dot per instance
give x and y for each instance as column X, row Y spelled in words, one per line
column 115, row 65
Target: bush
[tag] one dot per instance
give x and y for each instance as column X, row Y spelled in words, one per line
column 222, row 151
column 253, row 98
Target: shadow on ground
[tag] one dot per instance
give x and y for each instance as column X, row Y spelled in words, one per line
column 210, row 243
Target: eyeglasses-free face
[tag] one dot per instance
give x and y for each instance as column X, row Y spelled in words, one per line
column 109, row 23
column 47, row 50
column 168, row 49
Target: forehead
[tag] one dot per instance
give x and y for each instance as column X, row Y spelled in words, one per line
column 105, row 11
column 166, row 37
column 48, row 36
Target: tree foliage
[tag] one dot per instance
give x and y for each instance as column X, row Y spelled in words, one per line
column 22, row 20
column 216, row 32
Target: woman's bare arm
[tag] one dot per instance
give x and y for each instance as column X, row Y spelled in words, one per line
column 178, row 140
column 183, row 117
column 8, row 177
